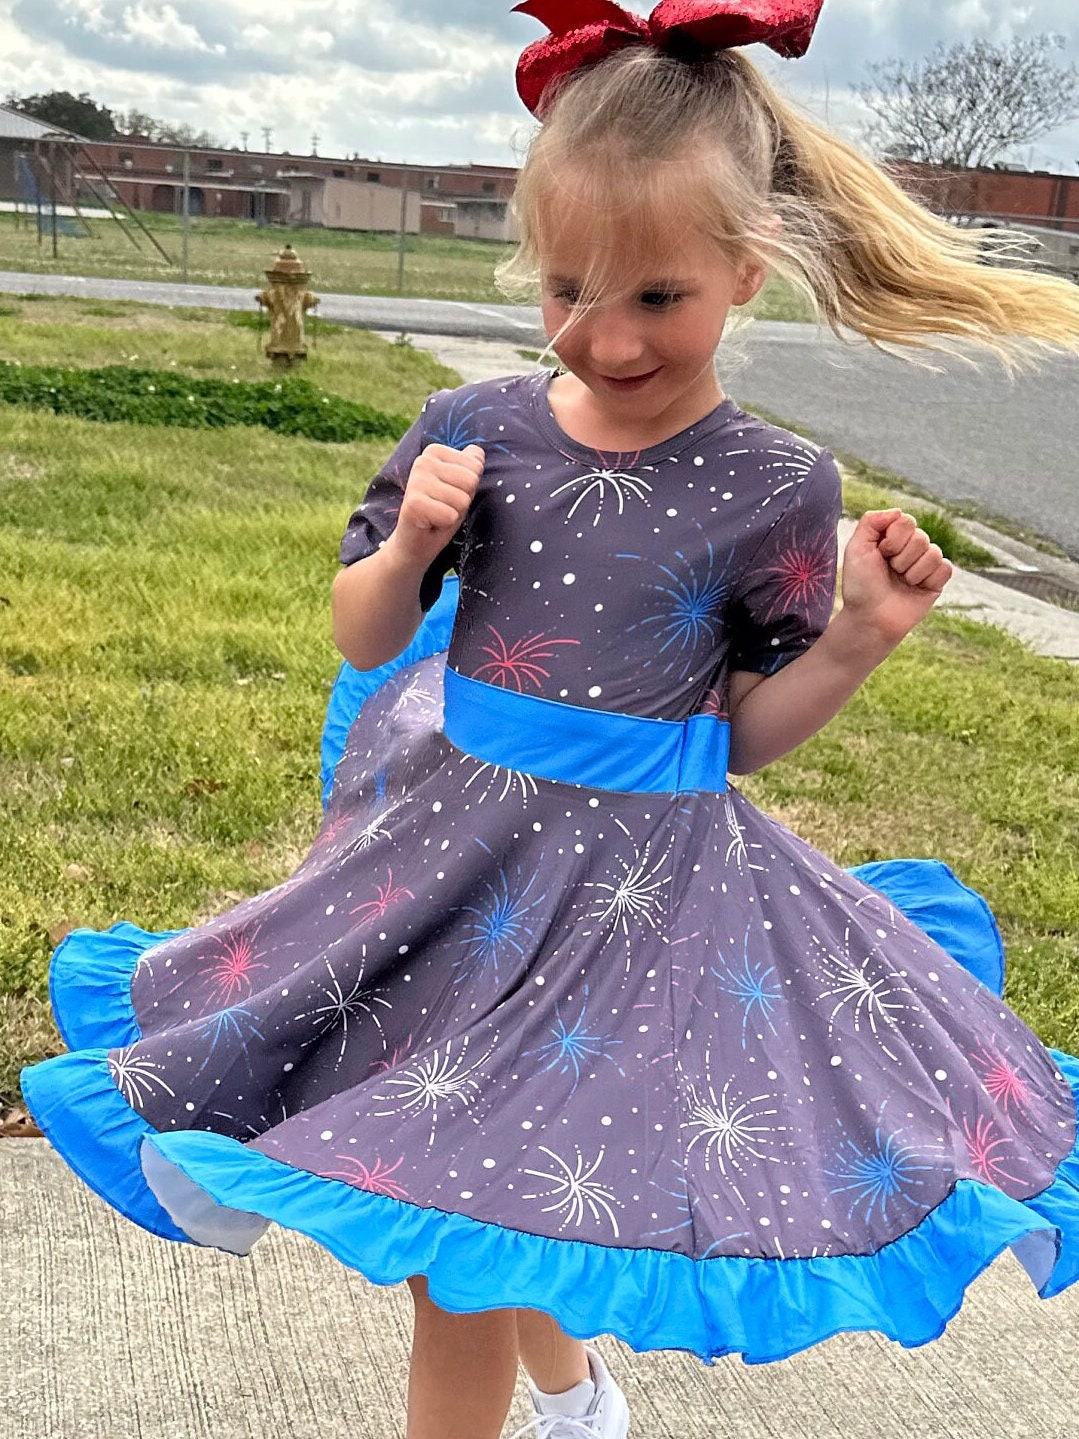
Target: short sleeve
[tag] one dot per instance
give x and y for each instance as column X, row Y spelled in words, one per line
column 373, row 521
column 784, row 596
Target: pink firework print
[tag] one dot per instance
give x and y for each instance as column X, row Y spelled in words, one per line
column 802, row 577
column 511, row 666
column 714, row 704
column 400, row 1053
column 230, row 971
column 1003, row 1082
column 375, row 1178
column 990, row 1151
column 386, row 896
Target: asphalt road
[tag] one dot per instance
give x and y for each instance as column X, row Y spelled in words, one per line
column 1009, row 445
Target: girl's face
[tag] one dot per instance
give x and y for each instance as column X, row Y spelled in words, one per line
column 645, row 353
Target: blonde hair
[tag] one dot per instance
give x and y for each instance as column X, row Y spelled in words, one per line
column 646, row 146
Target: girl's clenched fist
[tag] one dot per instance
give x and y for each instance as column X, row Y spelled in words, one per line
column 439, row 490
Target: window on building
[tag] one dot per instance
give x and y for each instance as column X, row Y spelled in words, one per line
column 340, row 174
column 127, row 158
column 215, row 164
column 488, row 187
column 430, row 182
column 374, row 176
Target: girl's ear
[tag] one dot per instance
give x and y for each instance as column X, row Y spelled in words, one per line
column 751, row 278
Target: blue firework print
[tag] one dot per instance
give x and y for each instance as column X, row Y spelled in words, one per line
column 754, row 984
column 574, row 1047
column 688, row 614
column 869, row 1178
column 463, row 422
column 236, row 1024
column 500, row 926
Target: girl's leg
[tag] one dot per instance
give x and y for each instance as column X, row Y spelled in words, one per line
column 463, row 1371
column 554, row 1361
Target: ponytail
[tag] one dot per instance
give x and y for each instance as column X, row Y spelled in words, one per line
column 650, row 145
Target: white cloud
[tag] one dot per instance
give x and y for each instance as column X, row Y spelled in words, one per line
column 161, row 25
column 429, row 80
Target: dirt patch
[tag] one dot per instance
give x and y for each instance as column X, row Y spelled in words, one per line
column 14, row 469
column 17, row 1124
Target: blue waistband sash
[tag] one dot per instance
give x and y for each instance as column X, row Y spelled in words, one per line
column 596, row 748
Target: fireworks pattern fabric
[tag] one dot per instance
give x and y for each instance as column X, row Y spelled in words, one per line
column 599, row 1022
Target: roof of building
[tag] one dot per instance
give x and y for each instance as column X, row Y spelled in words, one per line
column 14, row 125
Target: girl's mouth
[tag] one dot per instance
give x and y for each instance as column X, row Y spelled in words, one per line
column 629, row 382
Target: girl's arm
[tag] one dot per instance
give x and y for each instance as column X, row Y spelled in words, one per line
column 892, row 576
column 376, row 601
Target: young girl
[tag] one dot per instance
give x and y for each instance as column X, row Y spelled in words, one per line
column 551, row 1023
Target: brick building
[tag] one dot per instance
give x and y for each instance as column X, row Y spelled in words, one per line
column 309, row 190
column 35, row 159
column 1032, row 197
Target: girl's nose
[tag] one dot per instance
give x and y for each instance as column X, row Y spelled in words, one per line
column 615, row 340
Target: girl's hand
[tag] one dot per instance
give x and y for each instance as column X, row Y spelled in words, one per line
column 892, row 573
column 439, row 490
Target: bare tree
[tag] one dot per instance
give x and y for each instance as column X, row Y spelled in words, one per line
column 966, row 104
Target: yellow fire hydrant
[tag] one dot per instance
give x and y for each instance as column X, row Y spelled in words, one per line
column 288, row 299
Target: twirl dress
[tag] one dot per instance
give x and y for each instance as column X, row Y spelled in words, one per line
column 549, row 1013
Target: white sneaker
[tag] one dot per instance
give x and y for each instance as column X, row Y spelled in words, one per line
column 607, row 1416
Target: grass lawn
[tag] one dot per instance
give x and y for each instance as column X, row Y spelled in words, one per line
column 165, row 662
column 228, row 252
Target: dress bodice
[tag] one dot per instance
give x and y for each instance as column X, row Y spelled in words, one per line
column 627, row 582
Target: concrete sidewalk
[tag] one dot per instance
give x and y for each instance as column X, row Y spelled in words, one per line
column 109, row 1333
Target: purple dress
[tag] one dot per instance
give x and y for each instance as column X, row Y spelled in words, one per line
column 549, row 1012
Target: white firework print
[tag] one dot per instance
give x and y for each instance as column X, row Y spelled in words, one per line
column 729, row 1128
column 417, row 696
column 634, row 901
column 344, row 1007
column 574, row 1190
column 867, row 993
column 603, row 483
column 513, row 781
column 438, row 1081
column 737, row 849
column 373, row 830
column 790, row 460
column 136, row 1077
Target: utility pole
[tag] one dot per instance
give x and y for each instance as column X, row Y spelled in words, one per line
column 52, row 188
column 267, row 136
column 243, row 136
column 314, row 144
column 401, row 236
column 186, row 214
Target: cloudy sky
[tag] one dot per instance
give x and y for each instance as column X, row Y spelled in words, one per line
column 425, row 80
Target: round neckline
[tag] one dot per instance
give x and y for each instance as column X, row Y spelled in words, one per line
column 685, row 439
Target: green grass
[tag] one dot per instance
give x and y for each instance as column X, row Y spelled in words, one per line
column 228, row 252
column 351, row 363
column 165, row 663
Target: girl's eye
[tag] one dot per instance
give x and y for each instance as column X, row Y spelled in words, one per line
column 567, row 295
column 659, row 299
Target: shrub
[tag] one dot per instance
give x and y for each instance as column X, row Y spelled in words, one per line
column 118, row 393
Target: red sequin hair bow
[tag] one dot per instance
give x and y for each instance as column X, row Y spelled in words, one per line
column 584, row 32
